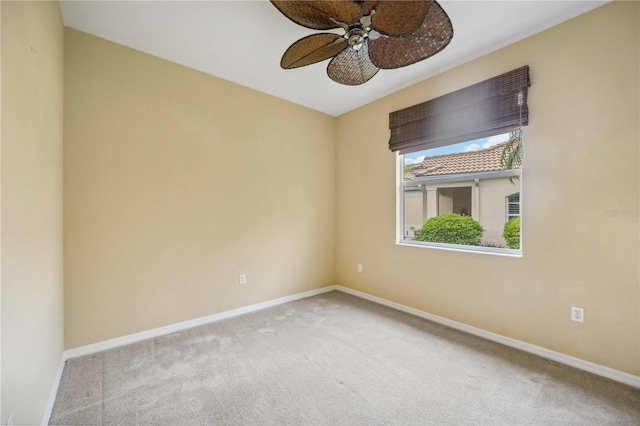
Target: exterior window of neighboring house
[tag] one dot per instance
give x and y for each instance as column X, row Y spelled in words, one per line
column 459, row 166
column 513, row 206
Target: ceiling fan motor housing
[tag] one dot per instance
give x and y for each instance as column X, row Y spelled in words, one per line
column 356, row 35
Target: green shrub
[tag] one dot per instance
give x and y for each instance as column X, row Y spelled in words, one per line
column 511, row 233
column 451, row 229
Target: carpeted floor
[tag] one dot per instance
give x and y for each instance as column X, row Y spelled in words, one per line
column 332, row 359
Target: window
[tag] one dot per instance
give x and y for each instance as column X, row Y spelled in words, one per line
column 460, row 160
column 513, row 206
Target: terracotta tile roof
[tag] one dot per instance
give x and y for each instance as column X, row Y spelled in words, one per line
column 485, row 160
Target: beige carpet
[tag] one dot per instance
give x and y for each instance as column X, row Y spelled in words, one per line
column 332, row 359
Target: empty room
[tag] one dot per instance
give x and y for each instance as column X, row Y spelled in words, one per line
column 320, row 212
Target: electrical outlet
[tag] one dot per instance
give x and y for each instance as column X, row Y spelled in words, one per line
column 577, row 314
column 243, row 279
column 359, row 267
column 10, row 420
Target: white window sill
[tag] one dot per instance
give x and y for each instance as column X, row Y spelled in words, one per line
column 464, row 249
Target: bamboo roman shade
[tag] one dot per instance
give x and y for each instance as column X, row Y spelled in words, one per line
column 494, row 106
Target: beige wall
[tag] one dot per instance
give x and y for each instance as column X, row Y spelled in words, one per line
column 582, row 158
column 32, row 301
column 176, row 182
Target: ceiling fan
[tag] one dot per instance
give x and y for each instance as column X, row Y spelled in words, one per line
column 377, row 35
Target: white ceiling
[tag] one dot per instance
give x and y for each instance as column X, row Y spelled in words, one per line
column 243, row 41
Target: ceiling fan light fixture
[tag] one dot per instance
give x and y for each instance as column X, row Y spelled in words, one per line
column 373, row 34
column 381, row 35
column 355, row 37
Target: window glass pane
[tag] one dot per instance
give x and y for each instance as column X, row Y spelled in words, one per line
column 461, row 194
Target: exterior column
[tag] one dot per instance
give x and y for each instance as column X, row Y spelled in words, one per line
column 429, row 203
column 475, row 200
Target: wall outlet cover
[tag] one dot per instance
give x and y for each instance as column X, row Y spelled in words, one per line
column 577, row 314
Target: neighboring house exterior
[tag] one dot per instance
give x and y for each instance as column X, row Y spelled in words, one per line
column 472, row 183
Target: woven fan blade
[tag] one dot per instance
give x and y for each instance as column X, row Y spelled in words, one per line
column 367, row 6
column 312, row 49
column 434, row 34
column 399, row 18
column 352, row 67
column 319, row 15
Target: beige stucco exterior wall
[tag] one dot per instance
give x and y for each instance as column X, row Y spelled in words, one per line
column 581, row 160
column 413, row 209
column 176, row 182
column 32, row 266
column 493, row 214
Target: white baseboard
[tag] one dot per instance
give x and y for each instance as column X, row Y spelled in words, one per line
column 54, row 391
column 173, row 328
column 591, row 367
column 610, row 373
